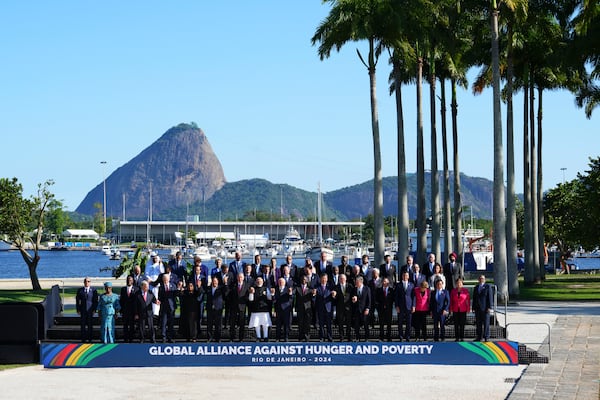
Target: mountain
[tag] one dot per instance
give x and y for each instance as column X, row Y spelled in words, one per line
column 194, row 183
column 357, row 201
column 194, row 174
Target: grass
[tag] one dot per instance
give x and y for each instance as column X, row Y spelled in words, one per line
column 13, row 366
column 574, row 287
column 30, row 296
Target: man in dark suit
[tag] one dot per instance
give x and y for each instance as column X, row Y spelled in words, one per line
column 167, row 293
column 482, row 307
column 238, row 298
column 452, row 271
column 86, row 303
column 334, row 277
column 388, row 270
column 343, row 307
column 127, row 301
column 179, row 267
column 143, row 311
column 405, row 305
column 324, row 298
column 417, row 277
column 408, row 267
column 385, row 306
column 429, row 266
column 249, row 275
column 237, row 265
column 199, row 278
column 293, row 268
column 303, row 301
column 362, row 308
column 345, row 267
column 440, row 307
column 226, row 278
column 287, row 276
column 257, row 267
column 356, row 272
column 284, row 299
column 322, row 266
column 138, row 277
column 215, row 301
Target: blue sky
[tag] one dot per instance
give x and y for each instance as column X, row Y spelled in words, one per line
column 86, row 81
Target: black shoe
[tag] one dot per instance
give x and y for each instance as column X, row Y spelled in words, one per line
column 170, row 340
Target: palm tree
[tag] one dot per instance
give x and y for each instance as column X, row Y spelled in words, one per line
column 499, row 217
column 355, row 20
column 402, row 53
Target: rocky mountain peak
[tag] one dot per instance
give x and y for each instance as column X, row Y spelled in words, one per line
column 180, row 167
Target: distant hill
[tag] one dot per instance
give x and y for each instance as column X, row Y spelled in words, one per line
column 180, row 167
column 195, row 178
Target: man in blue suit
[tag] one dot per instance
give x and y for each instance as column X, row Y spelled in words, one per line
column 215, row 301
column 405, row 305
column 167, row 293
column 440, row 307
column 324, row 297
column 284, row 299
column 86, row 302
column 482, row 307
column 237, row 266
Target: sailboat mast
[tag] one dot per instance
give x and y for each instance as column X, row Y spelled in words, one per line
column 319, row 214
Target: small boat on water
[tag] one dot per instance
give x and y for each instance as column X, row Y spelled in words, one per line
column 106, row 250
column 115, row 253
column 292, row 242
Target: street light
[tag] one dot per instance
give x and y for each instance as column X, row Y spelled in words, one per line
column 104, row 184
column 563, row 169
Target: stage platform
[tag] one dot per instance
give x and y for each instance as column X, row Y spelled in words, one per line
column 92, row 355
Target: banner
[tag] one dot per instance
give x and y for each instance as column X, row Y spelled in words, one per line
column 75, row 355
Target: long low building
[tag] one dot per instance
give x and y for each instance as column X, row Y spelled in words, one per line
column 172, row 232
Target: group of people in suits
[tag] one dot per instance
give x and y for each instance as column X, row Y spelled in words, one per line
column 239, row 295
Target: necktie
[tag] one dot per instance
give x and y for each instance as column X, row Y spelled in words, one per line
column 145, row 297
column 385, row 292
column 239, row 288
column 303, row 289
column 129, row 291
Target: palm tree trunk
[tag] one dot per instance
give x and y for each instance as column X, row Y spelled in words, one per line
column 499, row 223
column 435, row 179
column 511, row 217
column 458, row 244
column 527, row 228
column 446, row 184
column 421, row 223
column 533, row 188
column 377, row 181
column 403, row 219
column 540, row 191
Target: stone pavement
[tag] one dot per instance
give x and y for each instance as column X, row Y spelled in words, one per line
column 574, row 369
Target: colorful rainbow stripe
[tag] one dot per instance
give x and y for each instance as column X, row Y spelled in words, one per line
column 73, row 355
column 494, row 352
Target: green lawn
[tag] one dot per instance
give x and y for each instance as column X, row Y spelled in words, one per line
column 574, row 287
column 7, row 296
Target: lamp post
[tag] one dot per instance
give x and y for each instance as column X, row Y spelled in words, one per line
column 563, row 169
column 187, row 213
column 104, row 185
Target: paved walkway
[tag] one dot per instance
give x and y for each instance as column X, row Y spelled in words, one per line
column 574, row 369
